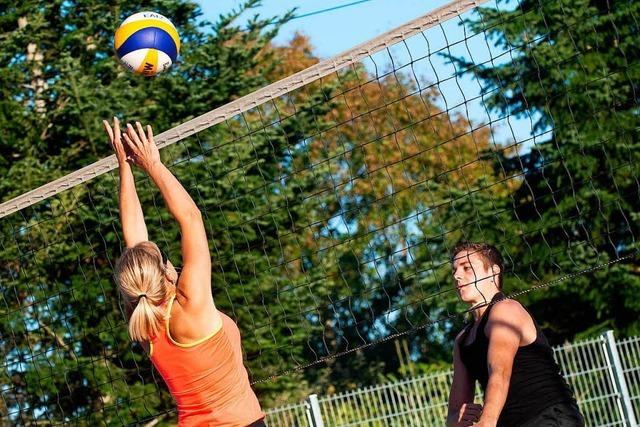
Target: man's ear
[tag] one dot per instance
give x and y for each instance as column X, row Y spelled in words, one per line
column 495, row 269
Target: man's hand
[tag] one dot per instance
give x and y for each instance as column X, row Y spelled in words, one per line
column 483, row 423
column 468, row 415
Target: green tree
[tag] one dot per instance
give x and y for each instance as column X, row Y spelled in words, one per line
column 63, row 340
column 574, row 73
column 331, row 210
column 387, row 160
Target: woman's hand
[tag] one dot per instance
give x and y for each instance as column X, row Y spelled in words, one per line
column 115, row 139
column 144, row 152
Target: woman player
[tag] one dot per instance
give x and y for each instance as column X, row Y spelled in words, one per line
column 195, row 347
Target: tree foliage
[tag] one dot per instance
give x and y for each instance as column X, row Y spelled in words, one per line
column 330, row 210
column 575, row 74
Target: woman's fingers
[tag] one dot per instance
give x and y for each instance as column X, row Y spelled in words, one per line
column 115, row 140
column 117, row 136
column 129, row 141
column 133, row 136
column 107, row 128
column 139, row 146
column 116, row 126
column 132, row 146
column 141, row 134
column 133, row 153
column 150, row 134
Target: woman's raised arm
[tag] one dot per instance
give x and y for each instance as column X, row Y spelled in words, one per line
column 131, row 216
column 195, row 279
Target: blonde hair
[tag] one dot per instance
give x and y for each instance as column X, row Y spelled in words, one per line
column 141, row 275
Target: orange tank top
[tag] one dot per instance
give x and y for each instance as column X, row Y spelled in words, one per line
column 207, row 378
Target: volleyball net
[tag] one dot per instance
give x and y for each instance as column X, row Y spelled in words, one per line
column 332, row 200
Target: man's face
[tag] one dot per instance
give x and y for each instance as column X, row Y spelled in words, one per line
column 473, row 280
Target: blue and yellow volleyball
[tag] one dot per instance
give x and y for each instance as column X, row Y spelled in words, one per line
column 147, row 43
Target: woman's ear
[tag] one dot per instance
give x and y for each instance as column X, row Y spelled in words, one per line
column 170, row 273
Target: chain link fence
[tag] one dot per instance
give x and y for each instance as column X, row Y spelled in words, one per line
column 604, row 374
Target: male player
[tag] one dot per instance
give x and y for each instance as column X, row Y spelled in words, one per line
column 505, row 351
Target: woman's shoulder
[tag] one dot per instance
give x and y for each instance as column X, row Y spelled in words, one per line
column 190, row 322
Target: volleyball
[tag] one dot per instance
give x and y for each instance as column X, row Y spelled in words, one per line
column 147, row 43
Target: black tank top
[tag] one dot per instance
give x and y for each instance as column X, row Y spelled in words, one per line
column 536, row 382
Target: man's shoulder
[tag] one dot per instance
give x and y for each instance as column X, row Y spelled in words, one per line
column 508, row 310
column 510, row 315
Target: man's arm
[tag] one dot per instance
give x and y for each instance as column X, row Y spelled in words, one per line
column 505, row 332
column 462, row 411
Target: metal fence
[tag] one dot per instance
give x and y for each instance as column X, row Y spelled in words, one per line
column 629, row 350
column 604, row 374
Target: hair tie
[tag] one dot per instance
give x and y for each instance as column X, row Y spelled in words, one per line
column 141, row 295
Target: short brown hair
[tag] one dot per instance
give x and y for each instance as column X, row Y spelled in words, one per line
column 489, row 254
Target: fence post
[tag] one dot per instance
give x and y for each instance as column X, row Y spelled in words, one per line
column 617, row 377
column 313, row 411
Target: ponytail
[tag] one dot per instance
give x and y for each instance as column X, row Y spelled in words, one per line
column 141, row 277
column 145, row 320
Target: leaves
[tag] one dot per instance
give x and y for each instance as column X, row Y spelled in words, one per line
column 573, row 67
column 330, row 210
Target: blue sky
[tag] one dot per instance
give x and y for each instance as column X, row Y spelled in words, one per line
column 338, row 30
column 335, row 31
